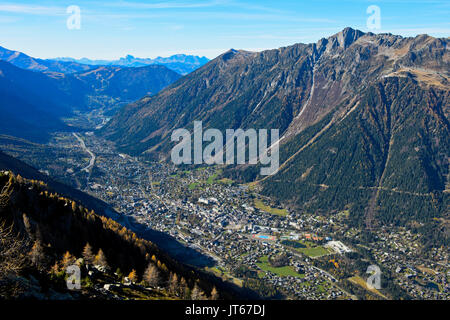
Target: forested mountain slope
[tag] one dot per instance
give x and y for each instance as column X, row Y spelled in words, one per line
column 363, row 121
column 43, row 233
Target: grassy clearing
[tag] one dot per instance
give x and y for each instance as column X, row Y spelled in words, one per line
column 261, row 274
column 218, row 271
column 139, row 294
column 252, row 186
column 193, row 185
column 424, row 269
column 321, row 288
column 245, row 254
column 362, row 283
column 225, row 181
column 238, row 282
column 311, row 249
column 225, row 275
column 212, row 178
column 296, row 244
column 314, row 252
column 281, row 271
column 261, row 206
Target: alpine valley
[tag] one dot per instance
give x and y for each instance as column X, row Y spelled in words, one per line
column 86, row 176
column 363, row 120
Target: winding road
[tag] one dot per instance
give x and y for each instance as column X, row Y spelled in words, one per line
column 92, row 160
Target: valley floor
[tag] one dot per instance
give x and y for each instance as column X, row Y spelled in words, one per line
column 232, row 231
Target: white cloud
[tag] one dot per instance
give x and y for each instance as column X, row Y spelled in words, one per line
column 32, row 9
column 167, row 4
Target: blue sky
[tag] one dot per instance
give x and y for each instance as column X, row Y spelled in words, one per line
column 112, row 29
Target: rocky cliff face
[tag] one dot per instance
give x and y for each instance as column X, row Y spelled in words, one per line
column 288, row 88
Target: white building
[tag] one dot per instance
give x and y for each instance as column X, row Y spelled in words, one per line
column 338, row 246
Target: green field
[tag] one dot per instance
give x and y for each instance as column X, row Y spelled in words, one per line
column 212, row 178
column 314, row 252
column 193, row 185
column 225, row 275
column 261, row 206
column 281, row 271
column 294, row 244
column 218, row 271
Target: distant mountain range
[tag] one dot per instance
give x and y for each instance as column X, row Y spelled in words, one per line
column 32, row 103
column 24, row 61
column 180, row 63
column 364, row 120
column 37, row 93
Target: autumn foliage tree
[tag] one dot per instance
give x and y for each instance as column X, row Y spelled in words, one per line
column 197, row 293
column 100, row 259
column 11, row 260
column 88, row 255
column 59, row 230
column 37, row 255
column 133, row 276
column 68, row 259
column 152, row 276
column 173, row 283
column 214, row 294
column 184, row 289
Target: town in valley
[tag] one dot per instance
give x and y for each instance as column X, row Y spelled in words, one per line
column 238, row 234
